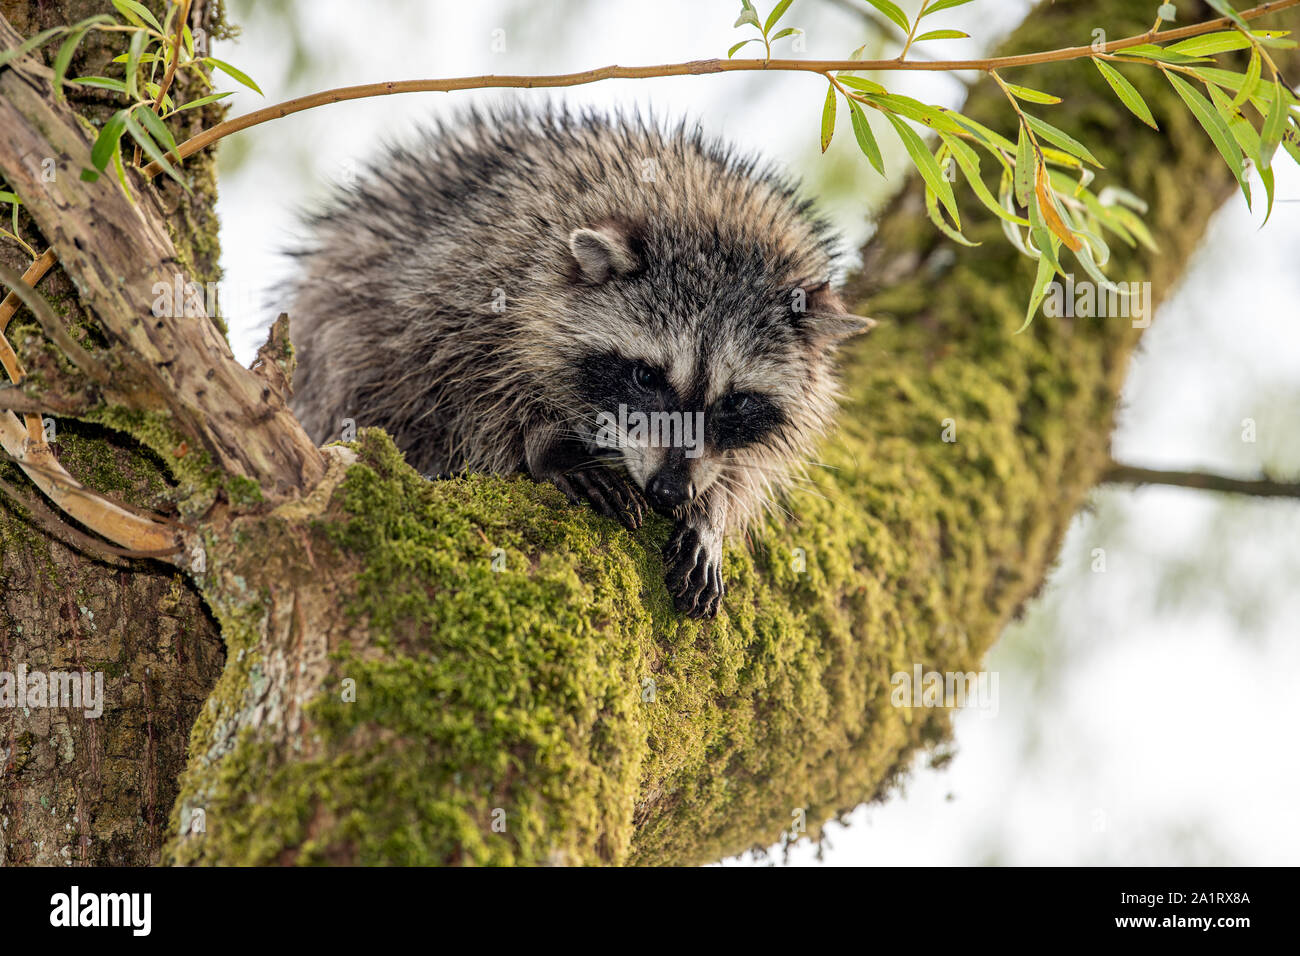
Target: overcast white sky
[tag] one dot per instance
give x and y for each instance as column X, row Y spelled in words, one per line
column 1146, row 714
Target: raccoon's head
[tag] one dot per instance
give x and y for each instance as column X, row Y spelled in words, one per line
column 703, row 363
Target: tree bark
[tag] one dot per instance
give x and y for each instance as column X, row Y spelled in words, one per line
column 471, row 671
column 99, row 791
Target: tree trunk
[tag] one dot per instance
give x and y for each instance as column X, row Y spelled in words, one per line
column 471, row 671
column 75, row 790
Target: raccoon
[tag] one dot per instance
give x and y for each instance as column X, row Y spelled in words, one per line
column 633, row 312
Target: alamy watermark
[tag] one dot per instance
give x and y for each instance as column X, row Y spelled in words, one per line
column 41, row 689
column 651, row 429
column 1087, row 299
column 920, row 688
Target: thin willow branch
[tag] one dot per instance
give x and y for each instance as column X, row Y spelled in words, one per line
column 170, row 73
column 1201, row 481
column 35, row 272
column 692, row 68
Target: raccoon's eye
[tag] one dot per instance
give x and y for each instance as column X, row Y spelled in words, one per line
column 741, row 418
column 644, row 377
column 737, row 404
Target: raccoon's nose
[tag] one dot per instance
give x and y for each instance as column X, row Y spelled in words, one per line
column 668, row 490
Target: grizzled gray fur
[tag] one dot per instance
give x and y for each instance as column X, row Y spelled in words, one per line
column 513, row 290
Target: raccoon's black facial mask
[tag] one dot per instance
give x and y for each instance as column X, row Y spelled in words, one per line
column 607, row 380
column 742, row 418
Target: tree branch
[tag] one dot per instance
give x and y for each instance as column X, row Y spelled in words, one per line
column 695, row 67
column 119, row 253
column 1119, row 474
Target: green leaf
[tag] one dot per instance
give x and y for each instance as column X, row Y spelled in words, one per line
column 892, row 11
column 107, row 140
column 987, row 137
column 932, row 209
column 69, row 48
column 938, row 5
column 1291, row 139
column 1041, row 280
column 1246, row 138
column 1085, row 258
column 732, row 51
column 776, row 14
column 1251, row 80
column 239, row 75
column 29, row 44
column 969, row 163
column 747, row 15
column 1062, row 139
column 10, row 197
column 133, row 64
column 865, row 137
column 203, row 101
column 787, row 32
column 156, row 128
column 828, row 117
column 1024, row 171
column 1266, row 177
column 926, row 166
column 1225, row 8
column 188, row 37
column 1044, row 241
column 1275, row 42
column 943, row 35
column 1135, row 225
column 1209, row 44
column 1214, row 125
column 1261, row 97
column 120, row 168
column 1127, row 92
column 1270, row 133
column 859, row 84
column 101, row 82
column 137, row 13
column 932, row 116
column 1153, row 52
column 1031, row 96
column 151, row 149
column 152, row 90
column 144, row 57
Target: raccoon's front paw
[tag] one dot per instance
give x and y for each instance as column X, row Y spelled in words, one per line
column 694, row 565
column 610, row 494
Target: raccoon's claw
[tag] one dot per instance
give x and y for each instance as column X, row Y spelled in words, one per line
column 610, row 494
column 694, row 575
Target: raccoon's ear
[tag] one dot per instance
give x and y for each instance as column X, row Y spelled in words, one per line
column 834, row 327
column 601, row 253
column 827, row 322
